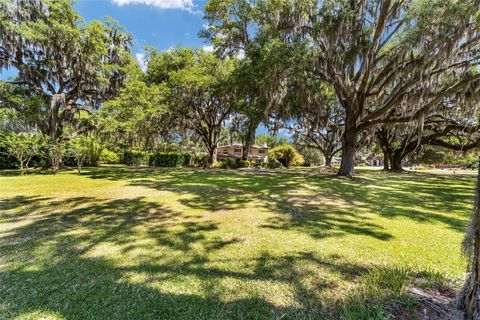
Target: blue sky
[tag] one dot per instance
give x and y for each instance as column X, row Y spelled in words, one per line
column 160, row 23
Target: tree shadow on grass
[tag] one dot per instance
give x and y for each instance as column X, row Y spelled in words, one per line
column 53, row 265
column 328, row 206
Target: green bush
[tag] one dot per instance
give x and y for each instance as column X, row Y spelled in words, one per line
column 200, row 161
column 286, row 155
column 244, row 164
column 228, row 164
column 7, row 161
column 273, row 163
column 110, row 157
column 169, row 159
column 136, row 158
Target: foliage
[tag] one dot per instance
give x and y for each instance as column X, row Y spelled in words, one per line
column 430, row 155
column 372, row 54
column 109, row 157
column 287, row 155
column 273, row 163
column 7, row 161
column 312, row 156
column 200, row 161
column 228, row 164
column 138, row 115
column 22, row 146
column 94, row 148
column 235, row 163
column 201, row 94
column 66, row 67
column 78, row 149
column 269, row 140
column 136, row 158
column 169, row 159
column 245, row 163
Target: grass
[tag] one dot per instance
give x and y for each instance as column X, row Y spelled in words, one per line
column 120, row 243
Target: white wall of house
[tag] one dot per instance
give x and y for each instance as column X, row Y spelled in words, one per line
column 236, row 151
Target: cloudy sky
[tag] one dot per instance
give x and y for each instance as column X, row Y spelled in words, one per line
column 161, row 23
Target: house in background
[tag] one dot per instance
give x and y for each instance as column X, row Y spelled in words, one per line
column 374, row 161
column 336, row 161
column 258, row 153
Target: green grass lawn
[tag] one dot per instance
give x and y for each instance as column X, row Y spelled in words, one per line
column 115, row 243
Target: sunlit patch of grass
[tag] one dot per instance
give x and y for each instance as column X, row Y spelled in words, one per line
column 199, row 244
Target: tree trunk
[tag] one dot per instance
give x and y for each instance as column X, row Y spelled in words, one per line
column 396, row 161
column 22, row 169
column 328, row 160
column 386, row 161
column 79, row 166
column 55, row 156
column 213, row 156
column 469, row 298
column 249, row 139
column 348, row 150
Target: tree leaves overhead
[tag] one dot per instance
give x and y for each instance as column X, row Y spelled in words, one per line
column 72, row 65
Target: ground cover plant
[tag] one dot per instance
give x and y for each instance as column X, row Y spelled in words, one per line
column 140, row 243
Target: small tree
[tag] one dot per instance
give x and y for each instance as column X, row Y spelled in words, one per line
column 78, row 149
column 23, row 146
column 56, row 152
column 286, row 155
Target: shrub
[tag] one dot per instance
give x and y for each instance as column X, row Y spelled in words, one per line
column 23, row 147
column 169, row 159
column 286, row 155
column 135, row 158
column 94, row 151
column 7, row 161
column 273, row 164
column 200, row 161
column 78, row 150
column 244, row 164
column 110, row 157
column 228, row 164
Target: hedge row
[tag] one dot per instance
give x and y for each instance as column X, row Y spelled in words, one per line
column 136, row 158
column 169, row 159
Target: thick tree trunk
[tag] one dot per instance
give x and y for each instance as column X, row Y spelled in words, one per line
column 469, row 298
column 396, row 162
column 328, row 160
column 213, row 156
column 386, row 161
column 55, row 156
column 348, row 150
column 249, row 139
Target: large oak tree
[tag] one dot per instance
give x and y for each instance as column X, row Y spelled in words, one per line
column 70, row 65
column 378, row 55
column 201, row 95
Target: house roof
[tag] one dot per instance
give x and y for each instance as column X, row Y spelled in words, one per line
column 239, row 145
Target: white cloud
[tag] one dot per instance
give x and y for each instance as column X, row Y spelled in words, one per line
column 141, row 60
column 161, row 4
